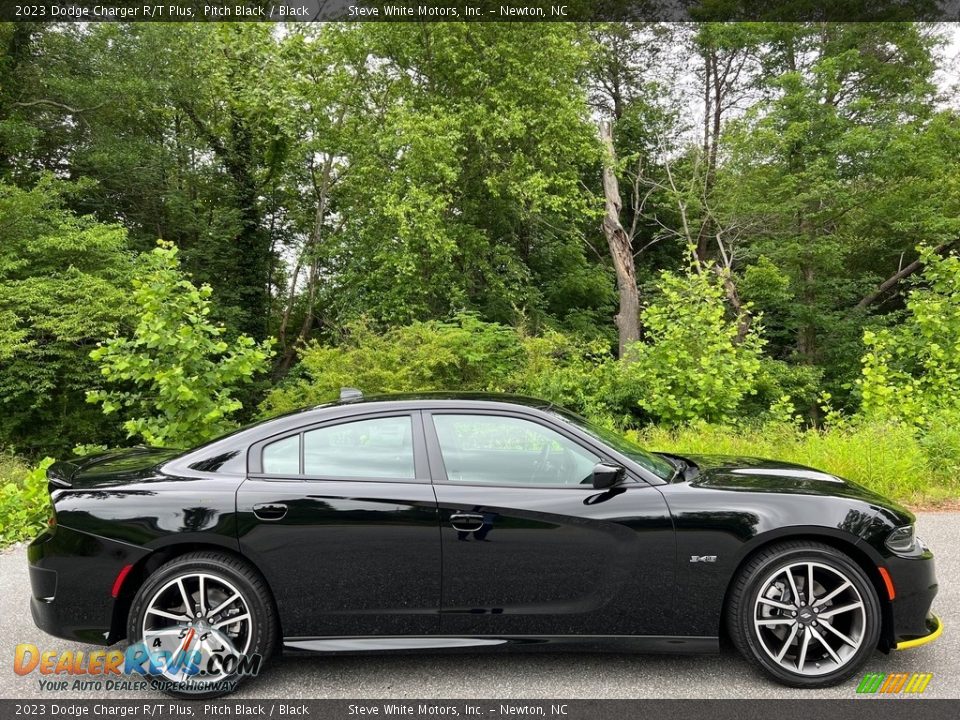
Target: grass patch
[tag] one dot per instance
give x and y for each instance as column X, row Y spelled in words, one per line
column 12, row 469
column 917, row 470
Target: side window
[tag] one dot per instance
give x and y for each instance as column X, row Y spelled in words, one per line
column 495, row 450
column 376, row 448
column 282, row 457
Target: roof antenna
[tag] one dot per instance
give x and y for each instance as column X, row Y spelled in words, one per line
column 348, row 395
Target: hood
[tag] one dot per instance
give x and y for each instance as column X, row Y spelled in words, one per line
column 107, row 468
column 750, row 474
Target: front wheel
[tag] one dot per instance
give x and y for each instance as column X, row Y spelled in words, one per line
column 200, row 624
column 804, row 613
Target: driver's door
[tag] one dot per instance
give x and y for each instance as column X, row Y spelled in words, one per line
column 529, row 546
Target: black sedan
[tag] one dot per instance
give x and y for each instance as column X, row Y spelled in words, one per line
column 442, row 522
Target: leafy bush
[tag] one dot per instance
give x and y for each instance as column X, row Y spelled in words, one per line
column 24, row 502
column 890, row 458
column 463, row 354
column 175, row 375
column 690, row 366
column 567, row 371
column 912, row 372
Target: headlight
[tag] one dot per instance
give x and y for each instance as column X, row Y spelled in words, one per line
column 902, row 541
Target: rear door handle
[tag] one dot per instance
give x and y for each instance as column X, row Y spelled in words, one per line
column 466, row 522
column 270, row 511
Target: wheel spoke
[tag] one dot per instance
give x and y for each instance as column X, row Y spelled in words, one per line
column 203, row 597
column 839, row 634
column 832, row 595
column 809, row 583
column 776, row 621
column 231, row 621
column 168, row 615
column 842, row 609
column 163, row 631
column 802, row 658
column 789, row 641
column 776, row 604
column 187, row 606
column 793, row 586
column 823, row 641
column 222, row 606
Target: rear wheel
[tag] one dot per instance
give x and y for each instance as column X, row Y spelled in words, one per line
column 199, row 618
column 805, row 613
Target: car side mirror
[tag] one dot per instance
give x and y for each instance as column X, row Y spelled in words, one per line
column 607, row 475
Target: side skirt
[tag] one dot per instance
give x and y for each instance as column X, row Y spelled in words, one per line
column 656, row 644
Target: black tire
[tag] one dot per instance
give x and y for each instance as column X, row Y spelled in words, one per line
column 744, row 604
column 262, row 628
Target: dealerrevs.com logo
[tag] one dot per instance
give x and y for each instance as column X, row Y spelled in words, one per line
column 135, row 668
column 894, row 683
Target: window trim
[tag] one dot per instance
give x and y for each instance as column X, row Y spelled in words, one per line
column 421, row 468
column 439, row 469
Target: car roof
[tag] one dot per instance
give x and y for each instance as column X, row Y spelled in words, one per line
column 441, row 397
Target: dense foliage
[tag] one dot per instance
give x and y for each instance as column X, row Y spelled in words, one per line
column 404, row 207
column 911, row 371
column 24, row 501
column 62, row 289
column 174, row 378
column 692, row 365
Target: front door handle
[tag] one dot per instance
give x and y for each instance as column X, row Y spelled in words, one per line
column 466, row 522
column 270, row 511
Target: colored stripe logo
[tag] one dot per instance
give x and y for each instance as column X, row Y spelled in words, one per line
column 894, row 683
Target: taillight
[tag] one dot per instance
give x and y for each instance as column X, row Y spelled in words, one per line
column 52, row 521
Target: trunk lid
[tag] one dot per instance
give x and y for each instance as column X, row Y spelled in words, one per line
column 107, row 467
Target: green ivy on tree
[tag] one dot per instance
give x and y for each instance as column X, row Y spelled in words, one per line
column 175, row 376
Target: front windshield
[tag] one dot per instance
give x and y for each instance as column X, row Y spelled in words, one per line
column 658, row 466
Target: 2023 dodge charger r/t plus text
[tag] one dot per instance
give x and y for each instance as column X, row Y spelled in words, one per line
column 458, row 521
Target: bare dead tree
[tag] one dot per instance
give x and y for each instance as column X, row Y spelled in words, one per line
column 722, row 76
column 724, row 234
column 621, row 247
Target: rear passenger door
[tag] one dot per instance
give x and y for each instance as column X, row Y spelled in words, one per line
column 342, row 519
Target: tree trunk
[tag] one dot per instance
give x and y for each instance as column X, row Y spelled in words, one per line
column 744, row 316
column 621, row 248
column 895, row 279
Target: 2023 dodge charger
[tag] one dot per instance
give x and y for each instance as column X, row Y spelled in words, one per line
column 431, row 522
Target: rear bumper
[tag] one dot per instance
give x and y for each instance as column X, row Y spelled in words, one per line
column 71, row 578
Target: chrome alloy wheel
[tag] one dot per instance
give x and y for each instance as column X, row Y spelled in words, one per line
column 810, row 618
column 198, row 615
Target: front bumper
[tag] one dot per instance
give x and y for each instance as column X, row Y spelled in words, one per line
column 71, row 578
column 915, row 583
column 935, row 627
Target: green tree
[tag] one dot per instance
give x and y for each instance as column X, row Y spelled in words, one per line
column 63, row 286
column 457, row 156
column 176, row 373
column 832, row 176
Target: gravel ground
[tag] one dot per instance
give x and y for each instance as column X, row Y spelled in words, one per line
column 540, row 675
